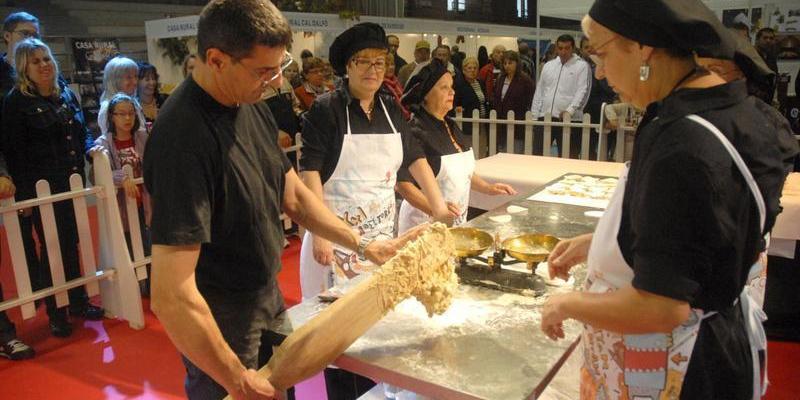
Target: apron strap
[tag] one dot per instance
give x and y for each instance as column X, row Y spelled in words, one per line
column 737, row 159
column 347, row 114
column 753, row 314
column 386, row 112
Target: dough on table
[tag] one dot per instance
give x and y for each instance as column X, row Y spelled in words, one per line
column 597, row 194
column 610, row 181
column 577, row 191
column 515, row 209
column 503, row 218
column 557, row 189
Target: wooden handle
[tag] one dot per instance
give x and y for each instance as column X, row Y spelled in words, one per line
column 321, row 340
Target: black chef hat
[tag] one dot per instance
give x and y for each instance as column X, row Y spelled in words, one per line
column 683, row 24
column 420, row 84
column 365, row 35
column 750, row 62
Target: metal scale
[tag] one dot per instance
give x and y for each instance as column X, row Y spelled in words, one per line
column 480, row 259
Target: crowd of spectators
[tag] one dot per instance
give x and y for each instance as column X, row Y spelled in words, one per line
column 43, row 120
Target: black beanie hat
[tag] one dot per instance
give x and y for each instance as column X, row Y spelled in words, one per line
column 420, row 84
column 365, row 35
column 682, row 24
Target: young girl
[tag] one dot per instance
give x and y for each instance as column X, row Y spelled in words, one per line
column 124, row 143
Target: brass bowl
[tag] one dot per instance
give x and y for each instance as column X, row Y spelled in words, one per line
column 470, row 241
column 531, row 247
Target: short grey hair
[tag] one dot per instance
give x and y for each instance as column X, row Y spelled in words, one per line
column 115, row 69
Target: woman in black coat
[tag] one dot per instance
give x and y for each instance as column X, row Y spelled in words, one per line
column 44, row 136
column 513, row 91
column 471, row 95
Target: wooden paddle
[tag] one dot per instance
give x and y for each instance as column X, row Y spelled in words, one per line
column 321, row 340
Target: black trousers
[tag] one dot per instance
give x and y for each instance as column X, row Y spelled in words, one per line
column 68, row 241
column 7, row 330
column 574, row 139
column 611, row 145
column 245, row 319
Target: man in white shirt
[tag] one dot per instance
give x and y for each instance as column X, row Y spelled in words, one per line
column 562, row 91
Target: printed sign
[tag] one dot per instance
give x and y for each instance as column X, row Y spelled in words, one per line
column 91, row 56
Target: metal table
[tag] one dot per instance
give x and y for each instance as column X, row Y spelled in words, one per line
column 488, row 344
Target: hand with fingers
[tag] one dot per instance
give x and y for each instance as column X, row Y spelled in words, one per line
column 453, row 208
column 446, row 215
column 131, row 189
column 252, row 387
column 381, row 251
column 97, row 149
column 7, row 188
column 567, row 254
column 501, row 188
column 323, row 251
column 553, row 317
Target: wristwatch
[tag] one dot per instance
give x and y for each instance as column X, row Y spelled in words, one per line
column 362, row 246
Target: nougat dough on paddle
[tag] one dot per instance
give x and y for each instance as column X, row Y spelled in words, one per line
column 423, row 268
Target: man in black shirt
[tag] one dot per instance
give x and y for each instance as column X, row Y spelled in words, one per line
column 218, row 182
column 394, row 43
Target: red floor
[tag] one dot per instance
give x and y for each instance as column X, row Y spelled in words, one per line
column 108, row 360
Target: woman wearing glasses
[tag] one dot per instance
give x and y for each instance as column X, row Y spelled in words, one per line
column 314, row 83
column 354, row 142
column 665, row 311
column 44, row 137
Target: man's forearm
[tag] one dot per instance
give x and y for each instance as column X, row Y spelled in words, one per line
column 188, row 321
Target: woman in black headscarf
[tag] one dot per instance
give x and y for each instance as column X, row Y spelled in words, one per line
column 430, row 97
column 665, row 311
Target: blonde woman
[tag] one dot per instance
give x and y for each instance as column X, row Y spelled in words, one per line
column 44, row 137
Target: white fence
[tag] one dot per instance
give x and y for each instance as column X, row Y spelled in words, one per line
column 489, row 126
column 113, row 278
column 140, row 261
column 484, row 131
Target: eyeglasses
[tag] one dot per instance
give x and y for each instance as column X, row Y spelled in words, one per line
column 125, row 115
column 270, row 74
column 595, row 48
column 27, row 34
column 363, row 64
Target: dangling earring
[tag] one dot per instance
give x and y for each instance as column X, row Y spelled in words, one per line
column 644, row 72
